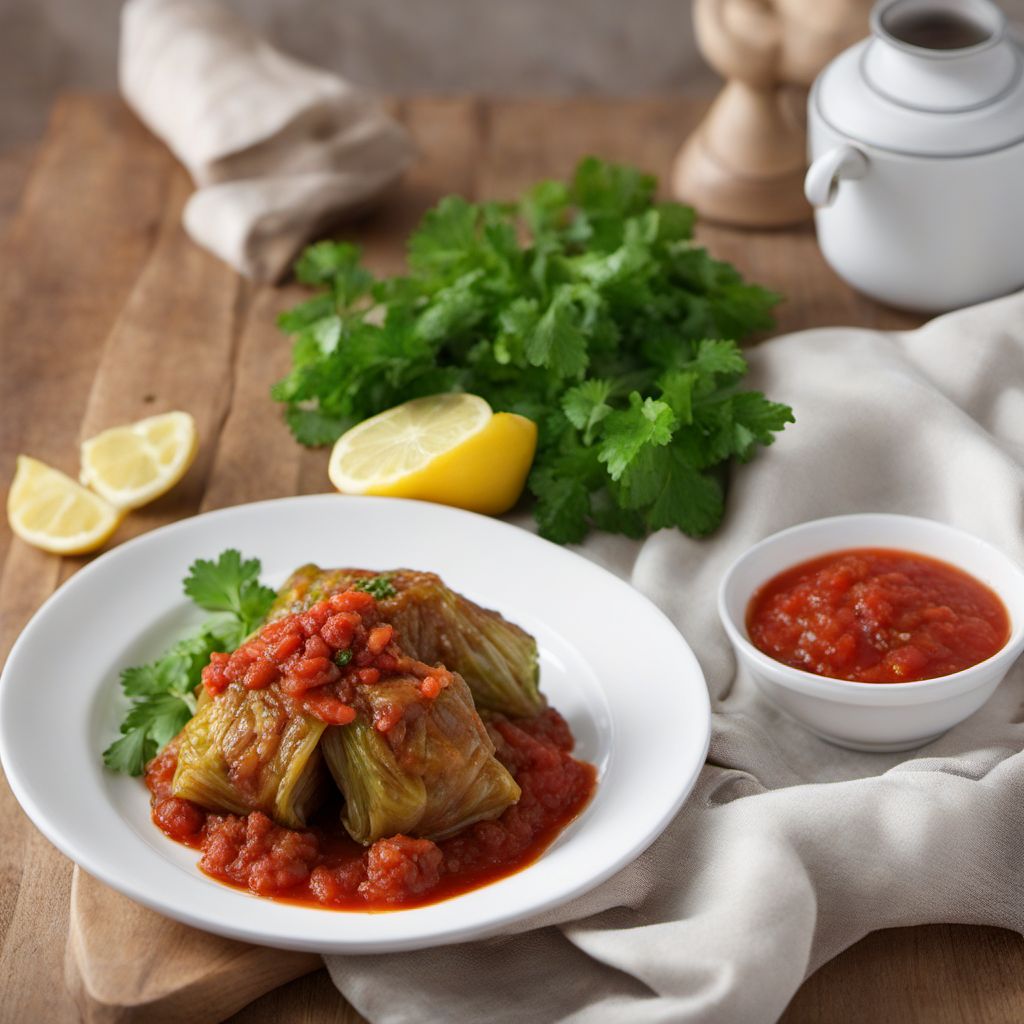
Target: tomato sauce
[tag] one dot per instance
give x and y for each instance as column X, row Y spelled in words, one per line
column 322, row 866
column 876, row 615
column 321, row 655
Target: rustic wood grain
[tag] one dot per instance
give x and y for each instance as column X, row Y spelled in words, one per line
column 16, row 163
column 934, row 973
column 312, row 999
column 174, row 973
column 108, row 312
column 58, row 301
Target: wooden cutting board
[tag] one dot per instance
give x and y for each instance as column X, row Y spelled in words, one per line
column 125, row 963
column 108, row 313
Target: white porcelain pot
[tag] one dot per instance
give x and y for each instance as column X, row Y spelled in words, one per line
column 917, row 171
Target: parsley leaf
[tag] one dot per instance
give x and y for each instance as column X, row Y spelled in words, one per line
column 719, row 358
column 664, row 483
column 446, row 236
column 313, row 428
column 563, row 506
column 230, row 585
column 130, row 753
column 586, row 405
column 305, row 314
column 647, row 421
column 677, row 387
column 150, row 724
column 163, row 716
column 163, row 692
column 586, row 306
column 756, row 421
column 338, row 266
column 558, row 341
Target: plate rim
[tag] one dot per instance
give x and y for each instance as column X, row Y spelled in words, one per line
column 450, row 934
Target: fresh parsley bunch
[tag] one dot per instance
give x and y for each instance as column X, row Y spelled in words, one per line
column 585, row 306
column 163, row 692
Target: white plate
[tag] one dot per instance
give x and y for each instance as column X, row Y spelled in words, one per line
column 610, row 662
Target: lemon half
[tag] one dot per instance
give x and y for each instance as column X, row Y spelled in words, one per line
column 49, row 510
column 135, row 464
column 451, row 449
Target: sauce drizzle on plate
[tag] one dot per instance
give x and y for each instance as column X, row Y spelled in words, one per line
column 323, row 866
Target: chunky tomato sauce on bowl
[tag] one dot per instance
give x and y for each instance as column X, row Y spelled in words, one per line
column 876, row 615
column 875, row 631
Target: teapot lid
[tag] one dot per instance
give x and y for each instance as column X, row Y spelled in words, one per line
column 936, row 78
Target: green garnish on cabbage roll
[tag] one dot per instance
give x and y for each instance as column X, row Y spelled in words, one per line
column 497, row 659
column 430, row 773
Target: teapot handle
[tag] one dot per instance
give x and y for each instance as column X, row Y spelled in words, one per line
column 823, row 176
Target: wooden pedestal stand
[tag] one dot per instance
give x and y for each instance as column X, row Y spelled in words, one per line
column 745, row 163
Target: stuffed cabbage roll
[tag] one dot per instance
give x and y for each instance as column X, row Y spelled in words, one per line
column 497, row 659
column 429, row 773
column 252, row 750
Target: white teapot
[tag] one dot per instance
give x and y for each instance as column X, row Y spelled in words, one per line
column 916, row 139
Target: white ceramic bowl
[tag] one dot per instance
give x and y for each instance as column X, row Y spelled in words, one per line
column 865, row 716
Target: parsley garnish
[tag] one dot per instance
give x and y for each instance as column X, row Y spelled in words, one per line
column 608, row 326
column 379, row 587
column 162, row 692
column 342, row 658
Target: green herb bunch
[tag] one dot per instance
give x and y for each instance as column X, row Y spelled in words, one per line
column 163, row 692
column 587, row 307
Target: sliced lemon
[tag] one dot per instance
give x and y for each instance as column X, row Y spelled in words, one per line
column 133, row 465
column 451, row 449
column 52, row 512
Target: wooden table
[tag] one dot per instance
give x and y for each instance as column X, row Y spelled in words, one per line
column 109, row 313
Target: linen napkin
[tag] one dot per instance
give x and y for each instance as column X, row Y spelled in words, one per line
column 276, row 148
column 789, row 849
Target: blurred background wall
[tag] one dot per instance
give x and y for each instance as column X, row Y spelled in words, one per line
column 498, row 47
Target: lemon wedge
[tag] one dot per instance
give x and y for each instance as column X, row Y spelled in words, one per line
column 49, row 510
column 451, row 449
column 134, row 464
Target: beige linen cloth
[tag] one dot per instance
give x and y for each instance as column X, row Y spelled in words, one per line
column 789, row 849
column 276, row 148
